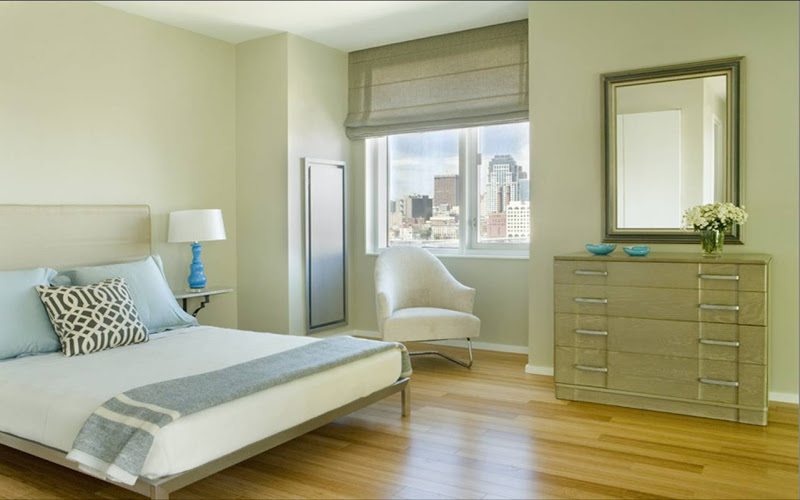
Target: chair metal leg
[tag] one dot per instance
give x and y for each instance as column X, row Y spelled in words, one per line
column 457, row 361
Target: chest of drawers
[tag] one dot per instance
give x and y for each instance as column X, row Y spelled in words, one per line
column 669, row 332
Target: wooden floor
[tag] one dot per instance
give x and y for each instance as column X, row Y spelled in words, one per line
column 489, row 432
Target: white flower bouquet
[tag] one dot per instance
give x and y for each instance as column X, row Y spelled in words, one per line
column 719, row 216
column 713, row 220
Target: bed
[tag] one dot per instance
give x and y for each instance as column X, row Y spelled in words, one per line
column 45, row 399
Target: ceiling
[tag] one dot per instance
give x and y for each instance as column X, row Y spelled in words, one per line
column 344, row 25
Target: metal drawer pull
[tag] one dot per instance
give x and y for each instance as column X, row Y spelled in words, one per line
column 585, row 368
column 718, row 307
column 591, row 301
column 719, row 342
column 725, row 277
column 590, row 273
column 726, row 383
column 591, row 332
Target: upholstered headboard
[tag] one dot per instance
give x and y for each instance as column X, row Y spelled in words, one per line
column 63, row 236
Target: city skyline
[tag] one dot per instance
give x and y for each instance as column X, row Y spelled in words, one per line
column 503, row 208
column 413, row 157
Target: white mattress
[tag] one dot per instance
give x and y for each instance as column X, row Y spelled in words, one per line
column 47, row 398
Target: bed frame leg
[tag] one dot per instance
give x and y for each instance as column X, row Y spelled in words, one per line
column 405, row 397
column 158, row 493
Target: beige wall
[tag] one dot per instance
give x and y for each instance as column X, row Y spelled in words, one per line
column 261, row 156
column 291, row 104
column 571, row 44
column 317, row 110
column 502, row 284
column 99, row 106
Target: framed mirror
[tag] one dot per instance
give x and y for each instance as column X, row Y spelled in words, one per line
column 671, row 141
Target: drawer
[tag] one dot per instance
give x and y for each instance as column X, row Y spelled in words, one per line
column 714, row 306
column 716, row 341
column 653, row 274
column 752, row 379
column 579, row 330
column 649, row 274
column 579, row 272
column 706, row 380
column 580, row 366
column 733, row 277
column 744, row 308
column 581, row 299
column 729, row 277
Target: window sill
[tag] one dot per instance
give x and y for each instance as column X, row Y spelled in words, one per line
column 473, row 254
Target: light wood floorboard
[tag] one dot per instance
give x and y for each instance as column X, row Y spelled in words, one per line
column 489, row 432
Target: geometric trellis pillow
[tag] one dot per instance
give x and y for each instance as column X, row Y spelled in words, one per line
column 94, row 317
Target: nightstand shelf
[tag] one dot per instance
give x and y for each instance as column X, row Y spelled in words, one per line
column 204, row 294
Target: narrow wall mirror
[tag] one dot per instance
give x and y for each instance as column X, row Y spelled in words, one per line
column 326, row 244
column 671, row 139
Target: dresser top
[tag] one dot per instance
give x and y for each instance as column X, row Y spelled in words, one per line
column 619, row 255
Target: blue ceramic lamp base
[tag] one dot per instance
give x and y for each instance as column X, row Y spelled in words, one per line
column 197, row 280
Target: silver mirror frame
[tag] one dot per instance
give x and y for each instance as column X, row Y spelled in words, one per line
column 731, row 68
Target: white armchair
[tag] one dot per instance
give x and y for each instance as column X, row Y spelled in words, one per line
column 419, row 300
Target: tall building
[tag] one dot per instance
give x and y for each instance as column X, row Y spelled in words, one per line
column 418, row 206
column 446, row 190
column 518, row 223
column 524, row 187
column 502, row 185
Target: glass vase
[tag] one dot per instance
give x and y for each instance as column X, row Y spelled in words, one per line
column 712, row 240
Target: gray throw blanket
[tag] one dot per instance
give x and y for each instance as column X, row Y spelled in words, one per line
column 116, row 439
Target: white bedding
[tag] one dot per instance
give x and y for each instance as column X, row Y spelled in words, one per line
column 47, row 398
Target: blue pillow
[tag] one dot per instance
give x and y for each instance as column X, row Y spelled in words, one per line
column 25, row 328
column 158, row 309
column 64, row 278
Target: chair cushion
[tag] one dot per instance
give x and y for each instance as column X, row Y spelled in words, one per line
column 430, row 323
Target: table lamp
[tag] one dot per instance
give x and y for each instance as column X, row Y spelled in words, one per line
column 194, row 226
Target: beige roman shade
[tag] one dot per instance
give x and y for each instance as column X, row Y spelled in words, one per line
column 469, row 78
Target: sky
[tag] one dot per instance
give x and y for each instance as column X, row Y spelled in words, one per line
column 416, row 158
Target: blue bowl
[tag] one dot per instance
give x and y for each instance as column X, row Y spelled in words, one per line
column 601, row 249
column 637, row 251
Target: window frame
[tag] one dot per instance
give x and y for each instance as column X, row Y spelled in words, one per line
column 378, row 183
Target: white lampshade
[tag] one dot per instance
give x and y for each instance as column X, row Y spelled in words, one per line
column 196, row 225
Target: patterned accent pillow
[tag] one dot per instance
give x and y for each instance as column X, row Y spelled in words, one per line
column 94, row 317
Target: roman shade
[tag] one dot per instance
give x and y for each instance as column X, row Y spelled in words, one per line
column 463, row 79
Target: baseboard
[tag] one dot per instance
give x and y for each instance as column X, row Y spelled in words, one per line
column 370, row 334
column 539, row 370
column 482, row 346
column 477, row 345
column 338, row 333
column 784, row 397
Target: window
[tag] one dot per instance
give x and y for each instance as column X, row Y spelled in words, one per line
column 504, row 180
column 455, row 191
column 424, row 189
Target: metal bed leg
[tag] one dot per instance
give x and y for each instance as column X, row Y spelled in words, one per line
column 465, row 364
column 158, row 493
column 405, row 400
